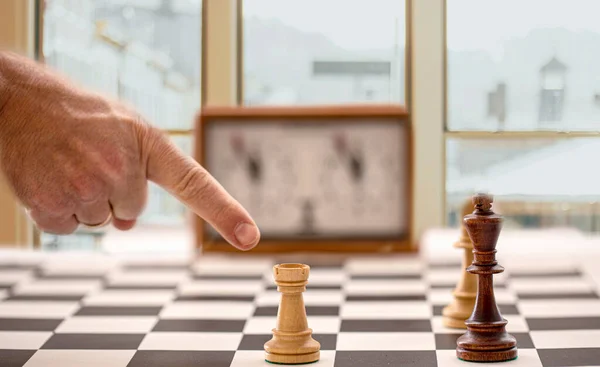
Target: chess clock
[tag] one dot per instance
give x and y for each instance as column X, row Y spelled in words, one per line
column 322, row 178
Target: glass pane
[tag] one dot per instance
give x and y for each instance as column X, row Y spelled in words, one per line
column 146, row 53
column 80, row 241
column 537, row 183
column 523, row 65
column 321, row 52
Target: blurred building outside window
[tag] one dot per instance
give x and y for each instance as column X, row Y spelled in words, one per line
column 533, row 76
column 324, row 52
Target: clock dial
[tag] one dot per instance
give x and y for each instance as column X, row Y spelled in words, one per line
column 362, row 181
column 309, row 179
column 256, row 170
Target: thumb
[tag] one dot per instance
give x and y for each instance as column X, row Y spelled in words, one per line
column 195, row 187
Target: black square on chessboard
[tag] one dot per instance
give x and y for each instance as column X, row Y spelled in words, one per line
column 7, row 324
column 572, row 357
column 15, row 358
column 505, row 309
column 181, row 359
column 385, row 358
column 310, row 311
column 118, row 311
column 387, row 298
column 200, row 325
column 386, row 325
column 563, row 323
column 94, row 341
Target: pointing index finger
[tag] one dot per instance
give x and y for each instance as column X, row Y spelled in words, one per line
column 193, row 185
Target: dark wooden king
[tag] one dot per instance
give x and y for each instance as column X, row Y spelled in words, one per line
column 486, row 339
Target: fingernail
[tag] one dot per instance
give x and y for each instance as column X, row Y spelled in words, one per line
column 247, row 235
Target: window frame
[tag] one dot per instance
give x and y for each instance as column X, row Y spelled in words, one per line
column 423, row 25
column 466, row 134
column 426, row 89
column 217, row 27
column 16, row 34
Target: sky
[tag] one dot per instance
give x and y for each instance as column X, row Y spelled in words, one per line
column 351, row 24
column 472, row 24
column 483, row 24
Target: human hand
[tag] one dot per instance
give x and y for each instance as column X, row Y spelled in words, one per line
column 73, row 157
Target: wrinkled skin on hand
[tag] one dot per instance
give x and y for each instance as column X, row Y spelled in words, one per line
column 72, row 157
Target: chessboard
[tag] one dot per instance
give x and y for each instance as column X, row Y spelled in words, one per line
column 218, row 311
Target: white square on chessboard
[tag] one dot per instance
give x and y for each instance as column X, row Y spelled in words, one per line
column 153, row 260
column 562, row 285
column 385, row 287
column 129, row 298
column 207, row 310
column 190, row 341
column 451, row 277
column 3, row 294
column 38, row 309
column 315, row 297
column 385, row 265
column 443, row 276
column 516, row 324
column 14, row 276
column 158, row 278
column 589, row 264
column 76, row 264
column 221, row 287
column 549, row 339
column 23, row 339
column 319, row 324
column 594, row 277
column 23, row 258
column 385, row 310
column 79, row 358
column 559, row 308
column 256, row 358
column 107, row 325
column 513, row 264
column 223, row 265
column 386, row 341
column 444, row 296
column 526, row 358
column 57, row 287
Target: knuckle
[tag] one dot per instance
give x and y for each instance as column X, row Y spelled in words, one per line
column 149, row 134
column 43, row 205
column 87, row 189
column 195, row 185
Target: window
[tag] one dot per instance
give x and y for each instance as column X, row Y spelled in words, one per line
column 539, row 182
column 523, row 100
column 523, row 65
column 323, row 52
column 146, row 53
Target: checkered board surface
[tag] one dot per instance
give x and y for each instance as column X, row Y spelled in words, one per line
column 219, row 311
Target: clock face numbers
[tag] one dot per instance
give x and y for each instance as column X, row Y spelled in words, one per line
column 329, row 180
